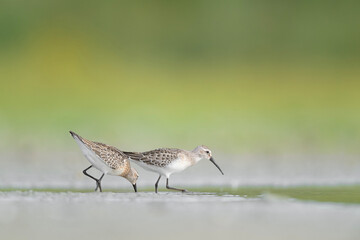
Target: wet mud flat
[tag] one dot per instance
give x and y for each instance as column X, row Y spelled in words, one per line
column 249, row 212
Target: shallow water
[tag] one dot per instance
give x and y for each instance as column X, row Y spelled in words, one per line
column 146, row 215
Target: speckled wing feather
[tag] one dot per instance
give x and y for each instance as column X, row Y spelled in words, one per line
column 111, row 156
column 159, row 157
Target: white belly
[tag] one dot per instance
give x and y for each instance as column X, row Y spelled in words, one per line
column 150, row 167
column 95, row 160
column 176, row 166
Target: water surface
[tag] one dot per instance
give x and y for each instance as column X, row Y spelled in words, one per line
column 58, row 214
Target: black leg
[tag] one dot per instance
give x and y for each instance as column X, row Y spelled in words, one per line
column 98, row 181
column 156, row 184
column 177, row 189
column 135, row 188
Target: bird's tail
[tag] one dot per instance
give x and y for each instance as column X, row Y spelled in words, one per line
column 135, row 156
column 75, row 136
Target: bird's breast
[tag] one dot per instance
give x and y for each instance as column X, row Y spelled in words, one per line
column 180, row 164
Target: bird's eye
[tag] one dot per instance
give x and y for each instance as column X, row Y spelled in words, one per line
column 207, row 152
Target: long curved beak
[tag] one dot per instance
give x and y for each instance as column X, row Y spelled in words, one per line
column 135, row 188
column 213, row 161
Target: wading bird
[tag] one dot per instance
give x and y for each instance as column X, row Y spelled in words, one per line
column 107, row 159
column 166, row 161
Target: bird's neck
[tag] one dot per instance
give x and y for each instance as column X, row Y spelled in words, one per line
column 195, row 157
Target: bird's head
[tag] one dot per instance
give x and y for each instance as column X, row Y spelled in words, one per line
column 205, row 153
column 132, row 177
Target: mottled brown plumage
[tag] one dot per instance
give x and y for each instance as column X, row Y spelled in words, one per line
column 160, row 157
column 111, row 156
column 107, row 159
column 166, row 161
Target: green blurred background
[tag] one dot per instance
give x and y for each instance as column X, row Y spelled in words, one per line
column 260, row 77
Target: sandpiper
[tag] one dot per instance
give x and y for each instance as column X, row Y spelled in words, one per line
column 166, row 161
column 107, row 159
